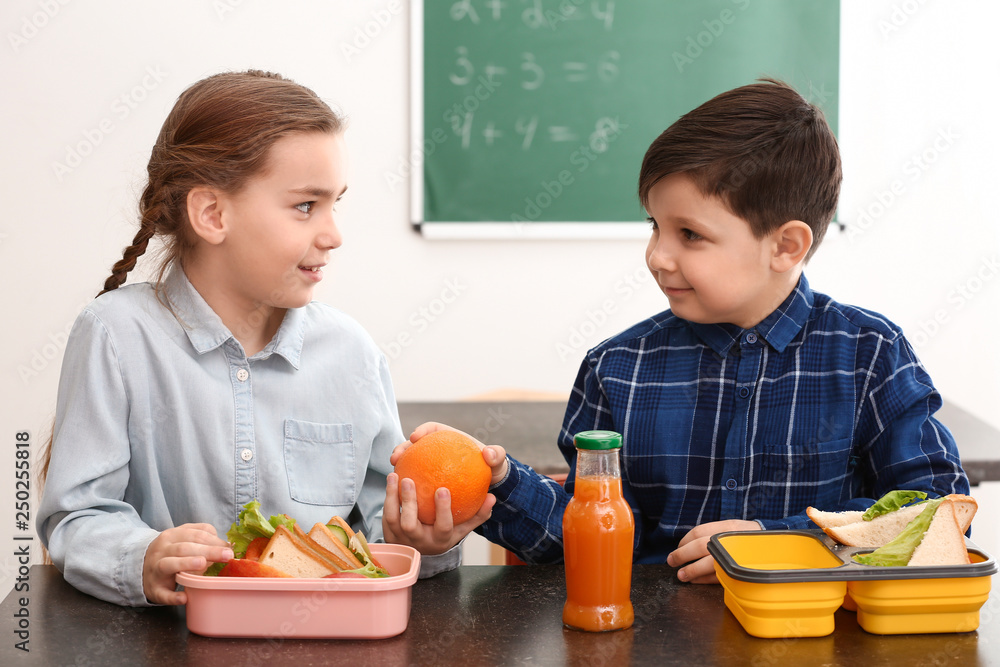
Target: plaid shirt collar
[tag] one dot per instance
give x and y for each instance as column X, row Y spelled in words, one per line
column 778, row 328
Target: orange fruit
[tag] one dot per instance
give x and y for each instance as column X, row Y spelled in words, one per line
column 451, row 460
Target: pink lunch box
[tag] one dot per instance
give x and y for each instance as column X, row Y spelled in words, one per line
column 305, row 608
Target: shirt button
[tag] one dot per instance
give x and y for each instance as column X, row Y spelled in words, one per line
column 246, row 454
column 242, row 375
column 751, row 338
column 744, row 392
column 731, row 484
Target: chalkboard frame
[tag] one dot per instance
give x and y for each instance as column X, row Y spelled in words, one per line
column 422, row 146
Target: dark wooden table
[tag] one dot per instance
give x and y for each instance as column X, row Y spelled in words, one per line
column 529, row 430
column 477, row 615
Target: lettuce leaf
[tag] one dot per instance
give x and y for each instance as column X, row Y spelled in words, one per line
column 213, row 570
column 252, row 524
column 369, row 570
column 891, row 502
column 280, row 520
column 900, row 550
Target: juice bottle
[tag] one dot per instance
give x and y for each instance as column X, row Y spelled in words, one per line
column 598, row 528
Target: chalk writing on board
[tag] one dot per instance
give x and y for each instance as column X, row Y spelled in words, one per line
column 535, row 14
column 529, row 74
column 526, row 131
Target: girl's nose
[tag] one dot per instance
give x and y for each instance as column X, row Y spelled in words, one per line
column 330, row 236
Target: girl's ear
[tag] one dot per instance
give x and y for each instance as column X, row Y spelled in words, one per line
column 792, row 242
column 203, row 213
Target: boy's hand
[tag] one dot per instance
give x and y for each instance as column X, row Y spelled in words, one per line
column 190, row 547
column 693, row 550
column 399, row 518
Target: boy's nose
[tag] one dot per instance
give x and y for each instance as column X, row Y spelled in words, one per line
column 661, row 259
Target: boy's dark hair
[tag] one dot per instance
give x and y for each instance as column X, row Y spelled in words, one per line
column 765, row 151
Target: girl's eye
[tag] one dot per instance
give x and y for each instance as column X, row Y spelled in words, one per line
column 306, row 206
column 690, row 235
column 652, row 223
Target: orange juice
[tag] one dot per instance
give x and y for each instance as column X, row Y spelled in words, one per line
column 598, row 529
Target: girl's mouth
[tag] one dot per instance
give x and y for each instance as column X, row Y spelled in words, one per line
column 312, row 272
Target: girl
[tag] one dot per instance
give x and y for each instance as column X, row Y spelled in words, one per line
column 222, row 382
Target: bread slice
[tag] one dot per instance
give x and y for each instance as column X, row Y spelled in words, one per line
column 833, row 519
column 342, row 558
column 944, row 541
column 290, row 554
column 965, row 509
column 320, row 534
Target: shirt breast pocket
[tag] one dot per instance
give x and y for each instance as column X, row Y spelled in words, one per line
column 319, row 463
column 816, row 473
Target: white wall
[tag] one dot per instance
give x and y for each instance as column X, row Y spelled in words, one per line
column 911, row 72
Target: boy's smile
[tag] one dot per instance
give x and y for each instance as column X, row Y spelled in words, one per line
column 706, row 260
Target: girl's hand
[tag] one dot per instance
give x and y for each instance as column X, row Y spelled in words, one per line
column 400, row 524
column 190, row 547
column 399, row 518
column 692, row 551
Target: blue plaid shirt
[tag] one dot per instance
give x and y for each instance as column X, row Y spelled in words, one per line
column 820, row 404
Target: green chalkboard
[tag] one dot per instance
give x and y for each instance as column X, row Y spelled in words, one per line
column 541, row 110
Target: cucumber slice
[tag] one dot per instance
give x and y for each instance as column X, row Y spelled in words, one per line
column 339, row 533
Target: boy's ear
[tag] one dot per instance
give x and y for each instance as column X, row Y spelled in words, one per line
column 204, row 215
column 792, row 242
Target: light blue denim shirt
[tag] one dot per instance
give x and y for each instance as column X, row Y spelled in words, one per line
column 161, row 420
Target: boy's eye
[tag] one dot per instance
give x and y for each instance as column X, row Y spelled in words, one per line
column 690, row 235
column 305, row 207
column 652, row 222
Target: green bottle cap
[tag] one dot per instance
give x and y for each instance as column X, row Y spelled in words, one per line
column 597, row 440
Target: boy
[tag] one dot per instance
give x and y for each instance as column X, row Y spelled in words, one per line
column 753, row 397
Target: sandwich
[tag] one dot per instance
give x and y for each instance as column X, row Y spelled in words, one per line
column 926, row 532
column 337, row 537
column 886, row 519
column 279, row 547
